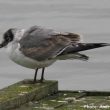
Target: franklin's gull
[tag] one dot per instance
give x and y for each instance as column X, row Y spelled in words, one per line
column 38, row 47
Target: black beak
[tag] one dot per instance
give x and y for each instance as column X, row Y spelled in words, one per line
column 3, row 44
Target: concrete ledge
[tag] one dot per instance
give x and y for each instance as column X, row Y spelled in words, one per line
column 24, row 91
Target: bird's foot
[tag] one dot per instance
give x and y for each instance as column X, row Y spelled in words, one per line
column 41, row 80
column 38, row 81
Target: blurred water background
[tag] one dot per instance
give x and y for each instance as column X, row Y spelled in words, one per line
column 91, row 18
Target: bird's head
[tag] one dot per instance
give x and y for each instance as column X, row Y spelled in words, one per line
column 7, row 37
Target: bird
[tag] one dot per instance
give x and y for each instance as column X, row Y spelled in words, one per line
column 38, row 47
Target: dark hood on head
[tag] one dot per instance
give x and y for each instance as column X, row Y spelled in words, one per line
column 7, row 37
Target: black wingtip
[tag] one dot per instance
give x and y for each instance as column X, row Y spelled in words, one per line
column 84, row 46
column 88, row 46
column 97, row 45
column 104, row 44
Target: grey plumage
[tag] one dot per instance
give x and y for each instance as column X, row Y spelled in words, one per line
column 39, row 47
column 41, row 44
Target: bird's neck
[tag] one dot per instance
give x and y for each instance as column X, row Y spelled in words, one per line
column 19, row 34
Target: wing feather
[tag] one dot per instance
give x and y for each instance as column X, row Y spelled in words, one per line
column 41, row 44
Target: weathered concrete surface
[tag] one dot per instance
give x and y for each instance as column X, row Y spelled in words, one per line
column 71, row 100
column 24, row 91
column 45, row 96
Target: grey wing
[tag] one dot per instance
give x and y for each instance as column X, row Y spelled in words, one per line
column 41, row 44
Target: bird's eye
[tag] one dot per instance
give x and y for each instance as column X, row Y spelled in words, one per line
column 7, row 37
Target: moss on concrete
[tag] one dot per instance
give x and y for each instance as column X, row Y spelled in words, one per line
column 25, row 91
column 70, row 101
column 39, row 96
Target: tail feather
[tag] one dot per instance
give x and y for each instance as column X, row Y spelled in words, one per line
column 78, row 56
column 83, row 46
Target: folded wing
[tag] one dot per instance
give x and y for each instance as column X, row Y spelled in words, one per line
column 41, row 44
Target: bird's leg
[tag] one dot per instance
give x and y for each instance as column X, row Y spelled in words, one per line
column 35, row 76
column 42, row 76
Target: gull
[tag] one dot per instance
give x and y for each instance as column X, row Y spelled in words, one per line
column 38, row 47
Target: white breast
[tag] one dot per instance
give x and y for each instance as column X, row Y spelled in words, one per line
column 16, row 56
